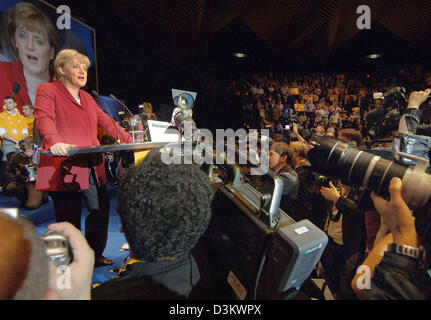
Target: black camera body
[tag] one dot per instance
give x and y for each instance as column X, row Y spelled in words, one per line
column 385, row 118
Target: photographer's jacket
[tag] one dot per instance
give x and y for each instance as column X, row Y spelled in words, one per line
column 60, row 118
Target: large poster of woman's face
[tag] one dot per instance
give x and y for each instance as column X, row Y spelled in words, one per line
column 31, row 34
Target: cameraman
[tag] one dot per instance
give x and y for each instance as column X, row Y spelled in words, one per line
column 394, row 275
column 26, row 271
column 344, row 224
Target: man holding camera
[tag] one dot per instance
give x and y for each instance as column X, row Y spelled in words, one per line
column 345, row 227
column 26, row 271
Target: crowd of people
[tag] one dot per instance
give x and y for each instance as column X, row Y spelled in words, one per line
column 52, row 112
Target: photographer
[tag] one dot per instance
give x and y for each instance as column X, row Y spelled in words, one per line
column 395, row 275
column 20, row 177
column 26, row 271
column 345, row 226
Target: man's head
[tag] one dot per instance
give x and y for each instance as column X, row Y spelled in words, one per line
column 280, row 156
column 164, row 208
column 9, row 103
column 28, row 147
column 27, row 110
column 24, row 265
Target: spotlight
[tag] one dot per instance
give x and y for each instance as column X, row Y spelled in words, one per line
column 373, row 56
column 239, row 55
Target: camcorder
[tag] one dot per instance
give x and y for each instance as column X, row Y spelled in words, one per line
column 58, row 248
column 385, row 118
column 370, row 172
column 255, row 250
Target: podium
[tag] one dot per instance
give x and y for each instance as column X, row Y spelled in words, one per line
column 140, row 149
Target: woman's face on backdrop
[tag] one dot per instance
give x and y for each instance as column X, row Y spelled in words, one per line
column 34, row 51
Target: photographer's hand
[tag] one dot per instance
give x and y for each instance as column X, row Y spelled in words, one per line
column 81, row 268
column 397, row 215
column 417, row 98
column 330, row 193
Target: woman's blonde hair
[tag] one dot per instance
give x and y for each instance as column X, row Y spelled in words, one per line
column 299, row 148
column 66, row 55
column 27, row 16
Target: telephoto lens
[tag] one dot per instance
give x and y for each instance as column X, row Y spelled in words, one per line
column 359, row 168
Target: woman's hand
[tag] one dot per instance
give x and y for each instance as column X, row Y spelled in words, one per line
column 60, row 149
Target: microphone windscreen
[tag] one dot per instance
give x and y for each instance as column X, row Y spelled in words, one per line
column 16, row 88
column 94, row 93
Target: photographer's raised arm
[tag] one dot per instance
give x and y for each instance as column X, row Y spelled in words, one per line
column 410, row 121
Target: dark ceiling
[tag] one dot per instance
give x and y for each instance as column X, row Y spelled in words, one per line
column 144, row 48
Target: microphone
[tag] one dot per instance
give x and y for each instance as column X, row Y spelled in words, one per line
column 119, row 101
column 112, row 118
column 15, row 89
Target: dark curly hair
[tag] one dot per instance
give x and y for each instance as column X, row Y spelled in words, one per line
column 164, row 209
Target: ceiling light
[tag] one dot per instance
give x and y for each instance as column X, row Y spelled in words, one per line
column 373, row 56
column 239, row 55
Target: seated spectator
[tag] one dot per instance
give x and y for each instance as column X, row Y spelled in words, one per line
column 26, row 271
column 163, row 216
column 20, row 177
column 28, row 111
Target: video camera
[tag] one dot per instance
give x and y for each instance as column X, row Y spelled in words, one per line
column 255, row 250
column 385, row 118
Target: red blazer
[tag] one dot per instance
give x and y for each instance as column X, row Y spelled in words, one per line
column 11, row 72
column 59, row 118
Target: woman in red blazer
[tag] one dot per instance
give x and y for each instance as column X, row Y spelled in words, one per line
column 68, row 117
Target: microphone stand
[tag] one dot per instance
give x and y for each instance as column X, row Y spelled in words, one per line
column 112, row 118
column 119, row 101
